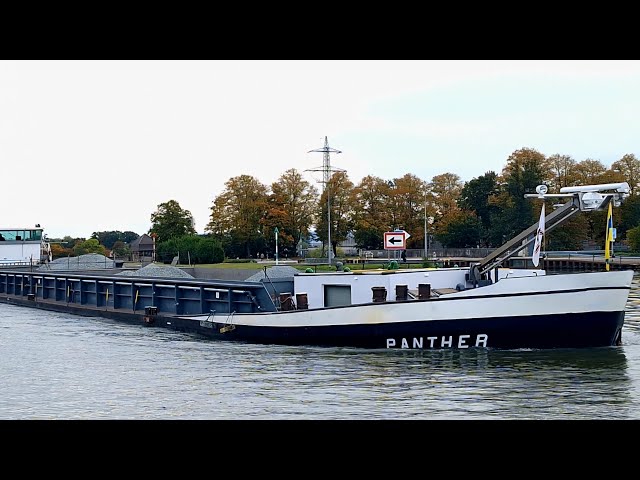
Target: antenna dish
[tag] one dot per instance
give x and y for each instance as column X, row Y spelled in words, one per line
column 542, row 189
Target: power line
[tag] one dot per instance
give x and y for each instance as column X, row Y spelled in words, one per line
column 327, row 171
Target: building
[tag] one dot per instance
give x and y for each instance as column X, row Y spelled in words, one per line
column 142, row 248
column 23, row 246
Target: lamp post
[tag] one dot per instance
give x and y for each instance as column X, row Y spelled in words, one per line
column 426, row 234
column 276, row 232
column 426, row 257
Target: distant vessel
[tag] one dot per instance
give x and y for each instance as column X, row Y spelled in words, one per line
column 23, row 246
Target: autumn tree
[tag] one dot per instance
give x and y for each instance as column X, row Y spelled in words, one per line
column 562, row 171
column 58, row 250
column 525, row 170
column 170, row 221
column 589, row 172
column 371, row 212
column 340, row 192
column 409, row 198
column 237, row 216
column 446, row 189
column 291, row 208
column 629, row 168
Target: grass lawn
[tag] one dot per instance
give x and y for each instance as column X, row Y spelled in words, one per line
column 303, row 267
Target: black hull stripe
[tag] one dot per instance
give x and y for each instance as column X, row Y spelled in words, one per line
column 594, row 329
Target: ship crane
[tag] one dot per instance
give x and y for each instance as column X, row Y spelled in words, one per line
column 582, row 198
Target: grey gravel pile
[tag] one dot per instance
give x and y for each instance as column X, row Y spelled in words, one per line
column 279, row 271
column 153, row 270
column 90, row 261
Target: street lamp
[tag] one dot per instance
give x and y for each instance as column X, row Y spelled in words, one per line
column 426, row 236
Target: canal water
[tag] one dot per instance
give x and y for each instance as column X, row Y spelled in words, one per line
column 60, row 366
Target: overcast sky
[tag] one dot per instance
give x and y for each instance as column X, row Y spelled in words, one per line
column 90, row 146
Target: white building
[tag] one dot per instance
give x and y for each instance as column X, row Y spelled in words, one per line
column 23, row 246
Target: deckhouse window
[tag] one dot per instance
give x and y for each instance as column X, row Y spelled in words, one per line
column 336, row 295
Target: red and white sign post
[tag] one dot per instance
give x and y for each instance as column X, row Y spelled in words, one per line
column 395, row 240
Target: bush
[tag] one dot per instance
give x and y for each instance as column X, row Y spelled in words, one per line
column 198, row 249
column 633, row 237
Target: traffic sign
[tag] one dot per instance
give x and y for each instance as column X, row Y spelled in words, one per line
column 395, row 240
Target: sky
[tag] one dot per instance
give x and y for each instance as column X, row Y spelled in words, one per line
column 88, row 146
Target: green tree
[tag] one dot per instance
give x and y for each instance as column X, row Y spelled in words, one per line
column 633, row 237
column 89, row 246
column 478, row 196
column 569, row 235
column 109, row 238
column 191, row 248
column 121, row 249
column 459, row 229
column 209, row 250
column 170, row 221
column 629, row 215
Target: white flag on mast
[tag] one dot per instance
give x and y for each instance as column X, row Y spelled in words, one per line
column 539, row 234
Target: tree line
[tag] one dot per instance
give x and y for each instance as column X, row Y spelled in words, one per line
column 482, row 212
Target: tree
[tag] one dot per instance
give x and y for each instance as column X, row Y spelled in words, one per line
column 291, row 207
column 633, row 236
column 409, row 194
column 89, row 246
column 237, row 215
column 371, row 212
column 459, row 229
column 342, row 210
column 629, row 214
column 589, row 172
column 171, row 221
column 563, row 171
column 477, row 195
column 629, row 168
column 121, row 249
column 446, row 189
column 569, row 235
column 525, row 170
column 109, row 238
column 59, row 251
column 191, row 248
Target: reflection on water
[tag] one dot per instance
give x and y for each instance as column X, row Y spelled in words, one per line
column 54, row 365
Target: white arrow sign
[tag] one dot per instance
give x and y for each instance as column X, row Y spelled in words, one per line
column 395, row 240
